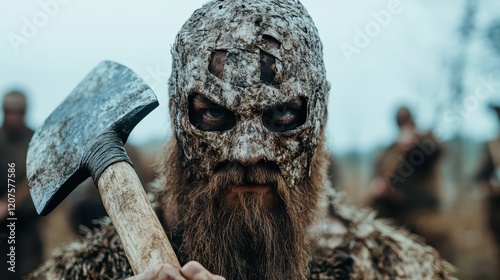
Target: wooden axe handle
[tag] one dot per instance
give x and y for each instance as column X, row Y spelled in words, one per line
column 140, row 231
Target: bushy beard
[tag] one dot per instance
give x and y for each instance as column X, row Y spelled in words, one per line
column 243, row 235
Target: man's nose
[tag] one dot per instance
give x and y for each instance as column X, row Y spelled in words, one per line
column 250, row 146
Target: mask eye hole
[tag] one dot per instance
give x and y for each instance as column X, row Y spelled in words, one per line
column 268, row 70
column 285, row 117
column 208, row 116
column 267, row 67
column 217, row 63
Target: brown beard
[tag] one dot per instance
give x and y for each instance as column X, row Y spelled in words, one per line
column 249, row 239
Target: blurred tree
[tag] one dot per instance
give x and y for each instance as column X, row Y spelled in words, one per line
column 493, row 34
column 458, row 72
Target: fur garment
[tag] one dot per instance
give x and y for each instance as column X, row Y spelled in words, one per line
column 349, row 244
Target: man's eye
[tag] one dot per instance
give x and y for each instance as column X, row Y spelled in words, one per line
column 283, row 111
column 285, row 117
column 214, row 113
column 207, row 116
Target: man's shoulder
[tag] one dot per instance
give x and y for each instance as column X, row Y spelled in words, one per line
column 98, row 255
column 493, row 148
column 493, row 145
column 353, row 244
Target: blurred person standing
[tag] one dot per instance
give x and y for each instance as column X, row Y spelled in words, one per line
column 14, row 140
column 405, row 187
column 489, row 176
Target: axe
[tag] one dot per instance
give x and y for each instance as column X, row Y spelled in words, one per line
column 84, row 137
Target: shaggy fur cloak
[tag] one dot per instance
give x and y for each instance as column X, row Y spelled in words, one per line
column 349, row 244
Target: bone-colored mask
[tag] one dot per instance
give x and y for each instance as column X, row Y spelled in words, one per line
column 272, row 55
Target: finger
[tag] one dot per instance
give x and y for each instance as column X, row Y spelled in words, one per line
column 195, row 271
column 168, row 272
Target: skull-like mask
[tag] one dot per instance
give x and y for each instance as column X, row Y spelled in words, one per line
column 256, row 68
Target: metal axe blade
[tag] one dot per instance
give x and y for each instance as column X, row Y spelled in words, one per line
column 110, row 98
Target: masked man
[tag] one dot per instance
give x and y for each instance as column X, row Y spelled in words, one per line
column 244, row 177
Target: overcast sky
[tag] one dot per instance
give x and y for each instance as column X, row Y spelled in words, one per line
column 47, row 49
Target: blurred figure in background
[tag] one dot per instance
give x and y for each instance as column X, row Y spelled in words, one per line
column 489, row 176
column 405, row 187
column 14, row 139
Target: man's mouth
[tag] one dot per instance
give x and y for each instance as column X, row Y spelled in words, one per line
column 251, row 188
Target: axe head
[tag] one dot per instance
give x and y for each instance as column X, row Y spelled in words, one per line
column 110, row 98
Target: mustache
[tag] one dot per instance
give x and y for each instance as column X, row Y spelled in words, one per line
column 233, row 173
column 262, row 173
